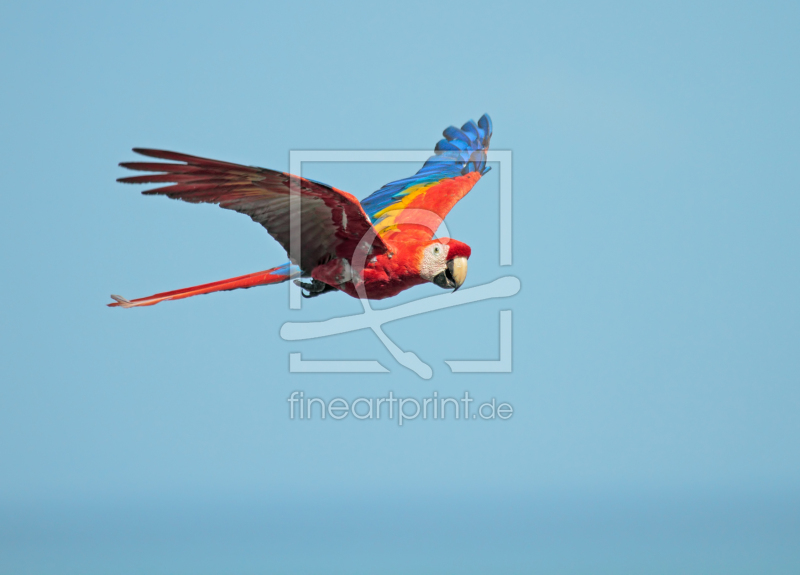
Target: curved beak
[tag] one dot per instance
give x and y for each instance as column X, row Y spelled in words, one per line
column 454, row 275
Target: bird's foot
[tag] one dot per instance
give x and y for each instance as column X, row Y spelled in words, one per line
column 314, row 288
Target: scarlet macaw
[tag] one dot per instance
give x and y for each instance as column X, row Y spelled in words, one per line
column 375, row 248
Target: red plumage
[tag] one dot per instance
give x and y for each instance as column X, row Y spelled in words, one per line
column 340, row 248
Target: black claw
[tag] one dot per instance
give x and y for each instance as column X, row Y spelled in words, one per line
column 314, row 288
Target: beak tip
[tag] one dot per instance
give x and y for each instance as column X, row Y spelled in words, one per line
column 454, row 276
column 459, row 271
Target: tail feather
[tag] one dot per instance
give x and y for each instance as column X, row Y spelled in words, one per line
column 273, row 276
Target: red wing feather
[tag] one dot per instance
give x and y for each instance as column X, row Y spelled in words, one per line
column 332, row 222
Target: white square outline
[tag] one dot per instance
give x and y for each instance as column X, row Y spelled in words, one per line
column 298, row 365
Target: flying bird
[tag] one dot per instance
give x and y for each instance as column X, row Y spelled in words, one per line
column 372, row 249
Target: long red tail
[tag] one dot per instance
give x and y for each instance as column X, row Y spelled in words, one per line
column 273, row 276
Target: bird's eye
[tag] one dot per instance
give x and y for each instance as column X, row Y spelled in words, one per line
column 436, row 250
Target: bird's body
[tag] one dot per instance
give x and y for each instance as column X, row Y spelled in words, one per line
column 376, row 248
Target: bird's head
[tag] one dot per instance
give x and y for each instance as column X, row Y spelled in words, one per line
column 444, row 262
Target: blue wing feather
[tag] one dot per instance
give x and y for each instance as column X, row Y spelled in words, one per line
column 460, row 152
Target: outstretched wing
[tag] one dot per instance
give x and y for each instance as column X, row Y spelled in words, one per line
column 423, row 200
column 332, row 222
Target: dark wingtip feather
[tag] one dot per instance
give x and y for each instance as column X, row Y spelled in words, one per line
column 134, row 166
column 188, row 159
column 160, row 154
column 152, row 152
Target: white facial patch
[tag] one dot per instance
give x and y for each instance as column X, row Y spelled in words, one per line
column 434, row 261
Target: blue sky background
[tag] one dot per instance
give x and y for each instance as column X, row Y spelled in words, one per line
column 656, row 363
